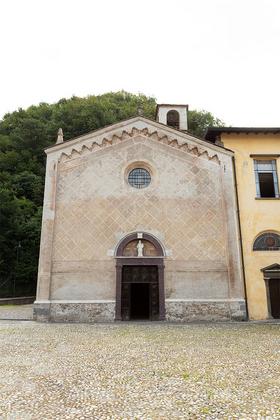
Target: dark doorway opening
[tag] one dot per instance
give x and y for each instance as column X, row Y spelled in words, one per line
column 140, row 292
column 274, row 292
column 140, row 301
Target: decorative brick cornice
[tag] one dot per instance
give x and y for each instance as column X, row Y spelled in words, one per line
column 79, row 150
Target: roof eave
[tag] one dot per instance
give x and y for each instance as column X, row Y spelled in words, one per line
column 213, row 132
column 119, row 125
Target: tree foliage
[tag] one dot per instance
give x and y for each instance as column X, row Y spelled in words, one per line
column 23, row 136
column 199, row 121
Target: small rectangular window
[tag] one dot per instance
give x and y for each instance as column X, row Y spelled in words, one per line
column 266, row 178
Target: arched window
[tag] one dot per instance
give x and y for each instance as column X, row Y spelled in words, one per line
column 173, row 119
column 267, row 241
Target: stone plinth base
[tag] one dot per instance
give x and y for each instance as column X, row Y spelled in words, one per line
column 71, row 311
column 176, row 310
column 205, row 310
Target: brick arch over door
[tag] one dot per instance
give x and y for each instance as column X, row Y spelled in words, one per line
column 122, row 261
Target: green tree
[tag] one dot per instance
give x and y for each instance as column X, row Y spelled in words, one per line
column 199, row 121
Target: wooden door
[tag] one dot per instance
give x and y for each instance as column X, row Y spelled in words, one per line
column 140, row 274
column 274, row 292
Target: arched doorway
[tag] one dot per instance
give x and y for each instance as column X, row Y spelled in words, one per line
column 140, row 279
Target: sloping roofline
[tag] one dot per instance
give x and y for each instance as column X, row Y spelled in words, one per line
column 120, row 123
column 212, row 133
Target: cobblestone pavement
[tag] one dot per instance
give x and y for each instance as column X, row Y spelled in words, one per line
column 139, row 371
column 16, row 312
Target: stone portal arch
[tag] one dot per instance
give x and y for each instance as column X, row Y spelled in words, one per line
column 140, row 278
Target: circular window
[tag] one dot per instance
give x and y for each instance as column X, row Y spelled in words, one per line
column 139, row 178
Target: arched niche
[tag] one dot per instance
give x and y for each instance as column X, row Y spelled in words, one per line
column 128, row 245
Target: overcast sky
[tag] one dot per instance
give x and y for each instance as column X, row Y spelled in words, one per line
column 218, row 55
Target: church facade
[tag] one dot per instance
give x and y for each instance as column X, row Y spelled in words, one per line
column 140, row 221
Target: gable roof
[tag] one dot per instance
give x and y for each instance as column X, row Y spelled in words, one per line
column 136, row 120
column 212, row 133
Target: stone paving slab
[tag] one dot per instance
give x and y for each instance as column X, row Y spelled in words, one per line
column 139, row 371
column 16, row 312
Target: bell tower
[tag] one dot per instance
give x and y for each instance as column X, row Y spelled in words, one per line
column 175, row 116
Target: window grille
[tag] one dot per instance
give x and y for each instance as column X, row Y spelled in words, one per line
column 139, row 178
column 266, row 178
column 267, row 242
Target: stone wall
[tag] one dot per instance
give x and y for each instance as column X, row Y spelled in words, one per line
column 176, row 311
column 211, row 310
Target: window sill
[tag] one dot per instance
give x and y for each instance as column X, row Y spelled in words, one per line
column 266, row 250
column 267, row 198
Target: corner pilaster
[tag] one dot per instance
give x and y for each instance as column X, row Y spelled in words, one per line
column 234, row 250
column 46, row 245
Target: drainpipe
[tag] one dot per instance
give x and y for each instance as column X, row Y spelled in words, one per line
column 240, row 234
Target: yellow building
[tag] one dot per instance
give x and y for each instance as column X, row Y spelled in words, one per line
column 257, row 166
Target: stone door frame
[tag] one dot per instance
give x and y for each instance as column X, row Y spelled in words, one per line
column 139, row 261
column 270, row 272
